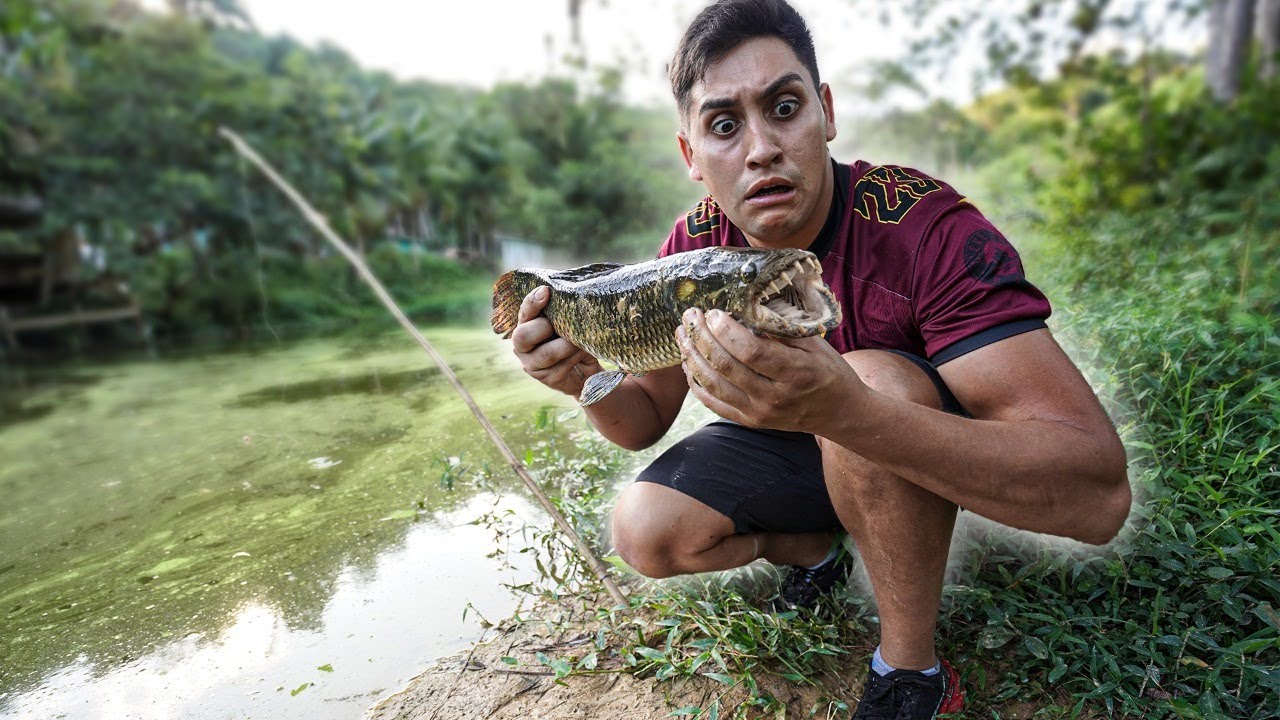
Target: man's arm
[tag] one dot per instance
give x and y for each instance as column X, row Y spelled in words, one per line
column 1039, row 453
column 634, row 416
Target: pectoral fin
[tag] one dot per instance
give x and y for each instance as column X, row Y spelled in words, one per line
column 599, row 385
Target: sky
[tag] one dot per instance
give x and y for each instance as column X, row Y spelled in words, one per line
column 483, row 42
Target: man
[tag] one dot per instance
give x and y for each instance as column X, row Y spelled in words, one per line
column 941, row 388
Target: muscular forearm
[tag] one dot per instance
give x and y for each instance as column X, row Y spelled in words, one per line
column 1043, row 455
column 1045, row 475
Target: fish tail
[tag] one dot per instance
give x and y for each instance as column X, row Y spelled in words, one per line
column 506, row 304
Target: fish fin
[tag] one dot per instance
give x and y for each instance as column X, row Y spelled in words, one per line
column 585, row 272
column 599, row 385
column 506, row 305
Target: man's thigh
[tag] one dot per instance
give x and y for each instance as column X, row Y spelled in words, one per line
column 762, row 480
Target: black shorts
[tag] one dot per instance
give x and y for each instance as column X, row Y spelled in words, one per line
column 763, row 480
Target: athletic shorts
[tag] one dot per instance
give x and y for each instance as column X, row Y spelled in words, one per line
column 763, row 480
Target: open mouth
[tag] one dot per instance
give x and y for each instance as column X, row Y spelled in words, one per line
column 796, row 303
column 770, row 190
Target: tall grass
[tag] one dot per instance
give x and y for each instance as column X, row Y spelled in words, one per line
column 1179, row 618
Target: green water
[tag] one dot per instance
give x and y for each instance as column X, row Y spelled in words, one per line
column 154, row 510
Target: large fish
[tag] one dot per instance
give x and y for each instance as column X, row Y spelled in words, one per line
column 626, row 315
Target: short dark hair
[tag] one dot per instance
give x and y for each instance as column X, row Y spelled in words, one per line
column 724, row 25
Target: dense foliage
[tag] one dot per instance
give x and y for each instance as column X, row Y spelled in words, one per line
column 1165, row 230
column 109, row 114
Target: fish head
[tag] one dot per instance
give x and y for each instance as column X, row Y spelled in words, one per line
column 773, row 292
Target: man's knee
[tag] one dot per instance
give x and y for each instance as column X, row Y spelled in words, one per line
column 639, row 537
column 895, row 376
column 657, row 529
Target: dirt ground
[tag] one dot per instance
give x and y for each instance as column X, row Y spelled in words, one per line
column 484, row 682
column 480, row 684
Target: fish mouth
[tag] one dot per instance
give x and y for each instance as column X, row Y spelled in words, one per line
column 792, row 301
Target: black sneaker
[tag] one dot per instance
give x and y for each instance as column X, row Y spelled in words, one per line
column 802, row 587
column 910, row 695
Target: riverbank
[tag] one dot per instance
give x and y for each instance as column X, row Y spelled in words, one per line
column 509, row 676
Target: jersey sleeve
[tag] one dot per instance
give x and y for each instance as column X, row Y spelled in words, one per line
column 970, row 287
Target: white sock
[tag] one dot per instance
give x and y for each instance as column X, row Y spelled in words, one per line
column 883, row 668
column 830, row 556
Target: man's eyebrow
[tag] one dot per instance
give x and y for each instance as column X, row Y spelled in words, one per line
column 716, row 104
column 780, row 83
column 774, row 87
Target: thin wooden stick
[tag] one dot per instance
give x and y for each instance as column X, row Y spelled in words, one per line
column 320, row 224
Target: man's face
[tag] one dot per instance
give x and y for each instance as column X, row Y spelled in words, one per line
column 756, row 135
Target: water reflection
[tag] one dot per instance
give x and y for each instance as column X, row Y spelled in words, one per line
column 380, row 627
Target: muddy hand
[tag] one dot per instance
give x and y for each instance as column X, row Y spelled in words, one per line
column 544, row 355
column 784, row 384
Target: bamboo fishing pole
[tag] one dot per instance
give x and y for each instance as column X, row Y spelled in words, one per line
column 322, row 226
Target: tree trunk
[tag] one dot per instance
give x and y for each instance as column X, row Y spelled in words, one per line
column 1269, row 37
column 1230, row 30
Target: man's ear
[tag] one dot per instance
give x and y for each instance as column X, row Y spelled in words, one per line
column 686, row 152
column 828, row 110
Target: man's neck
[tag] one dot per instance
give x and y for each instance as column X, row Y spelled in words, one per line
column 842, row 177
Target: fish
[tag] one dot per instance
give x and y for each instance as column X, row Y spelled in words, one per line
column 626, row 315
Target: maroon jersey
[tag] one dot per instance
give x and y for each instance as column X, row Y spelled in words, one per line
column 914, row 265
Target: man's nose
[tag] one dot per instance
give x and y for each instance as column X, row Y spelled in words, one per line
column 763, row 148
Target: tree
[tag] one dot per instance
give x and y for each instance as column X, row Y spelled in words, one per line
column 1033, row 40
column 213, row 12
column 1269, row 37
column 1230, row 32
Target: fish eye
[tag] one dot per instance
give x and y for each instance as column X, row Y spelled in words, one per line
column 749, row 271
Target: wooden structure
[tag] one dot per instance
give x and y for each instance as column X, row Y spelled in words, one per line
column 11, row 326
column 30, row 283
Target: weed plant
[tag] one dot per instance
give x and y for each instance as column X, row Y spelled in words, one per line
column 1178, row 618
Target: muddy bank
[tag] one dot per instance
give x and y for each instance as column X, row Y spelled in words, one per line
column 503, row 677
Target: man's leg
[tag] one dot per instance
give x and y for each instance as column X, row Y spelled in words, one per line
column 662, row 532
column 902, row 532
column 723, row 497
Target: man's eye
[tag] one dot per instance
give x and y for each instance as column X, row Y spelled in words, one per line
column 723, row 126
column 786, row 108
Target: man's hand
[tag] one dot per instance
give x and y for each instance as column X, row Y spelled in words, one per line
column 797, row 384
column 544, row 355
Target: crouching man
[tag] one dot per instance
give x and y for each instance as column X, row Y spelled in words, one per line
column 941, row 388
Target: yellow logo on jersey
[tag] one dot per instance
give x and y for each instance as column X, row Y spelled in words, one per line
column 702, row 219
column 887, row 194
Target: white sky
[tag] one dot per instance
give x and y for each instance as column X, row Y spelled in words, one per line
column 481, row 43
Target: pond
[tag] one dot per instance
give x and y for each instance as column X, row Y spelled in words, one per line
column 283, row 532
